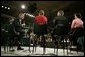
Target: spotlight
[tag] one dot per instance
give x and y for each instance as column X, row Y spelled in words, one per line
column 8, row 8
column 2, row 6
column 5, row 7
column 23, row 6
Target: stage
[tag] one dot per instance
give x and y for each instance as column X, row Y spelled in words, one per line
column 39, row 52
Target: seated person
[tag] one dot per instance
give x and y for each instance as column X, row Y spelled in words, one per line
column 77, row 27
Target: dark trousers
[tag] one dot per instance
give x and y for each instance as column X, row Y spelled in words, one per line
column 19, row 37
column 78, row 32
column 80, row 42
column 11, row 40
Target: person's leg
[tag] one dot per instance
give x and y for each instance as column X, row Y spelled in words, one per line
column 83, row 42
column 74, row 37
column 4, row 45
column 11, row 43
column 54, row 41
column 80, row 42
column 44, row 43
column 19, row 42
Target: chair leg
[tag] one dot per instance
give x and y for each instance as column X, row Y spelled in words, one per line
column 71, row 45
column 67, row 45
column 57, row 47
column 4, row 48
column 29, row 44
column 33, row 46
column 54, row 48
column 7, row 48
column 44, row 45
column 63, row 47
column 44, row 50
column 54, row 45
column 77, row 48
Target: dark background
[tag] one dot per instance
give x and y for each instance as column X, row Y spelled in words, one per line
column 32, row 7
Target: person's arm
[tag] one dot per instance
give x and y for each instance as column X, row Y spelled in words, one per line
column 15, row 23
column 73, row 24
column 54, row 21
column 82, row 24
column 35, row 20
column 17, row 33
column 46, row 20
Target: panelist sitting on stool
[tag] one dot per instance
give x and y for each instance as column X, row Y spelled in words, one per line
column 40, row 26
column 17, row 23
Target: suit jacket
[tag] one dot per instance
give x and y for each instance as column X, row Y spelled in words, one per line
column 17, row 25
column 60, row 23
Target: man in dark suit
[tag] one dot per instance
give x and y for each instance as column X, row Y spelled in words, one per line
column 60, row 24
column 17, row 23
column 60, row 29
column 11, row 34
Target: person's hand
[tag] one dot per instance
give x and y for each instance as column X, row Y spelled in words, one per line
column 23, row 24
column 17, row 33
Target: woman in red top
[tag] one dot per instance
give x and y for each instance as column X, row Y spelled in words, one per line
column 40, row 19
column 40, row 27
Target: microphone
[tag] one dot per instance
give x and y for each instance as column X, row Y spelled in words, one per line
column 29, row 15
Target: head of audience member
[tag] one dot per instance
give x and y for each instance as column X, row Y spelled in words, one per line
column 60, row 13
column 11, row 20
column 21, row 16
column 41, row 12
column 77, row 15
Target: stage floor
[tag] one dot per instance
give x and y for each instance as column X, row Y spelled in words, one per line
column 39, row 52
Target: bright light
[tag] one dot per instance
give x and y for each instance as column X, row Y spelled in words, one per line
column 2, row 6
column 8, row 8
column 5, row 7
column 23, row 6
column 30, row 15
